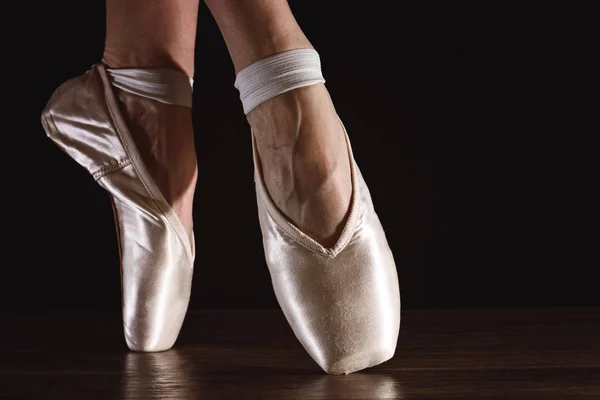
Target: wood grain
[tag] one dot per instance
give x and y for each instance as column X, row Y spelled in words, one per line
column 451, row 354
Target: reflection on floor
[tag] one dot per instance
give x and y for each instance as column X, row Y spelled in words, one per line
column 461, row 354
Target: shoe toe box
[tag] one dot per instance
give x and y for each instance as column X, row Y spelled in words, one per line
column 345, row 310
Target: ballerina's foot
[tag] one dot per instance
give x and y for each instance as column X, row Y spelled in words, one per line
column 164, row 137
column 304, row 160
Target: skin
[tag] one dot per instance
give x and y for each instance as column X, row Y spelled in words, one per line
column 158, row 34
column 300, row 142
column 299, row 139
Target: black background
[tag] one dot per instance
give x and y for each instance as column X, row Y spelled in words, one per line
column 460, row 126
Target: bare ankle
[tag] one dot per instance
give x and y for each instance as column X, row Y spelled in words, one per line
column 123, row 58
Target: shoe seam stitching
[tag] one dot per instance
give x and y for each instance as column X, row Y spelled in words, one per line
column 99, row 172
column 306, row 245
column 109, row 169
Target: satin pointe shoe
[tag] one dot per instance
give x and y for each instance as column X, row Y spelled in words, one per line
column 343, row 302
column 84, row 119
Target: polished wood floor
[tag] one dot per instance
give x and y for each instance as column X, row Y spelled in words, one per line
column 493, row 354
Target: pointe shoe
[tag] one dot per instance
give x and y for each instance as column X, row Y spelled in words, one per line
column 343, row 302
column 84, row 119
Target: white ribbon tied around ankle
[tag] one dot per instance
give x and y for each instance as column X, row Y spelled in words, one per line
column 277, row 74
column 164, row 85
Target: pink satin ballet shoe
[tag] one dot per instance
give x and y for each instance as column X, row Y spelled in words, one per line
column 157, row 257
column 343, row 302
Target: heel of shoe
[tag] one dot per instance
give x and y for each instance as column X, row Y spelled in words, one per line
column 50, row 129
column 75, row 120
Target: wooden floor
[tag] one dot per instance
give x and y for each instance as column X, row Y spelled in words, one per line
column 506, row 354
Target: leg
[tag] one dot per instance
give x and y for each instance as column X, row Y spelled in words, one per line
column 158, row 34
column 300, row 141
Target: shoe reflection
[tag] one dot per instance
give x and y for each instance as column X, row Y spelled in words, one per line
column 164, row 375
column 353, row 386
column 173, row 375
